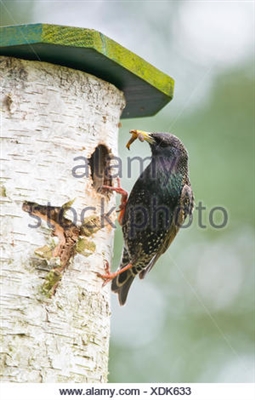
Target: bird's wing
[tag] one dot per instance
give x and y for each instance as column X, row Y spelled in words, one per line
column 148, row 267
column 186, row 205
column 125, row 259
column 182, row 211
column 169, row 238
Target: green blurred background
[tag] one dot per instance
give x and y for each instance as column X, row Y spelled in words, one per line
column 192, row 319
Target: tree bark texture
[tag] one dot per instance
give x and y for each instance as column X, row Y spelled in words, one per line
column 55, row 312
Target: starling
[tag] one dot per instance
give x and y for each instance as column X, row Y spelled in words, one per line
column 157, row 206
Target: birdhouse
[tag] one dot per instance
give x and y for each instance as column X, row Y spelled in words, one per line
column 64, row 91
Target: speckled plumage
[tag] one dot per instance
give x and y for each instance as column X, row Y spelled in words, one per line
column 158, row 204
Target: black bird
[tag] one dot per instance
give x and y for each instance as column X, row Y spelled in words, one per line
column 158, row 204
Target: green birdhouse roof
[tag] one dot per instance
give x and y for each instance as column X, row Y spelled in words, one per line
column 146, row 88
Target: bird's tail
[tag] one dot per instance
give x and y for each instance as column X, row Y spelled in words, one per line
column 121, row 285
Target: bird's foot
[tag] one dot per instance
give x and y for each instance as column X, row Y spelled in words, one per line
column 109, row 276
column 124, row 198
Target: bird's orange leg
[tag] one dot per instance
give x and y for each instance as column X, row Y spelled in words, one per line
column 124, row 199
column 108, row 276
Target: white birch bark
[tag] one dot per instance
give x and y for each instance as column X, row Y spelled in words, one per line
column 50, row 115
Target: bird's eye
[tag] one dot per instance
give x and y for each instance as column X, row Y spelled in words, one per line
column 161, row 142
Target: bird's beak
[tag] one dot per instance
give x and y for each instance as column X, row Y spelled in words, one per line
column 141, row 135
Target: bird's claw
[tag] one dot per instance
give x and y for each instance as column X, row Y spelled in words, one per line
column 107, row 277
column 117, row 189
column 124, row 198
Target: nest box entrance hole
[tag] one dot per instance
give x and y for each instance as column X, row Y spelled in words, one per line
column 100, row 167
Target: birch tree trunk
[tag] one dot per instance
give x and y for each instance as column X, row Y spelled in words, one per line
column 58, row 128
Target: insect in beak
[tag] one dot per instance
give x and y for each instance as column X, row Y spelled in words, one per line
column 141, row 135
